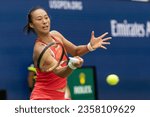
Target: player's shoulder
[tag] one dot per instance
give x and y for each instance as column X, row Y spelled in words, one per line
column 38, row 47
column 56, row 33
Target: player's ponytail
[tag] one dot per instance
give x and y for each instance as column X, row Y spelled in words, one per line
column 27, row 27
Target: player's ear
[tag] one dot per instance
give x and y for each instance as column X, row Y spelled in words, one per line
column 31, row 25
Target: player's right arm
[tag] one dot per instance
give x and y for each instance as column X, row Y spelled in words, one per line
column 48, row 62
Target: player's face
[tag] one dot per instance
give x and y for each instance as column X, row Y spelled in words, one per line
column 40, row 21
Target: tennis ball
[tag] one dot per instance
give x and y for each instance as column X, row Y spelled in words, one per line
column 112, row 79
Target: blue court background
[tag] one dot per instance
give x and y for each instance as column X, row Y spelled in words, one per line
column 128, row 57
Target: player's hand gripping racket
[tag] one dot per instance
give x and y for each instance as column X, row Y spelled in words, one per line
column 58, row 55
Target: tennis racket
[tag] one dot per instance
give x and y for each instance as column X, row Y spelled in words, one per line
column 59, row 53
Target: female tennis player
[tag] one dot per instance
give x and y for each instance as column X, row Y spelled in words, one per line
column 51, row 78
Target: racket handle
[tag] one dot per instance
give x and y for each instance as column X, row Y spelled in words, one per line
column 71, row 62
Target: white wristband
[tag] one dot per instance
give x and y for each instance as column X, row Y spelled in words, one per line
column 90, row 47
column 71, row 65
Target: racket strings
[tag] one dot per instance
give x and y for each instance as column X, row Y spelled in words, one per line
column 58, row 52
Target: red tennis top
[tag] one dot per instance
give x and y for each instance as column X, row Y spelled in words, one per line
column 47, row 83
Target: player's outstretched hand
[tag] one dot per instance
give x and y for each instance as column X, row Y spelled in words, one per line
column 100, row 41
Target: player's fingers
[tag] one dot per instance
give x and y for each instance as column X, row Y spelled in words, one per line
column 92, row 34
column 106, row 43
column 80, row 60
column 108, row 38
column 103, row 47
column 80, row 63
column 103, row 35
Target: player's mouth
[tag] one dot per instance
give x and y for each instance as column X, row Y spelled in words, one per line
column 45, row 27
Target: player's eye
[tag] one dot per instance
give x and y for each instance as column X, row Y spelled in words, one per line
column 46, row 17
column 39, row 19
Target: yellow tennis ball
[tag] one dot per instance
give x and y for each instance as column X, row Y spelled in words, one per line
column 112, row 79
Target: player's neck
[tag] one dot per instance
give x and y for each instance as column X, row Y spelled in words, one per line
column 45, row 38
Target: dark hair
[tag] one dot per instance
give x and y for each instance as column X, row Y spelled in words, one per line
column 27, row 27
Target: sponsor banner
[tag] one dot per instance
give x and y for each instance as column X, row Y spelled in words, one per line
column 129, row 29
column 66, row 5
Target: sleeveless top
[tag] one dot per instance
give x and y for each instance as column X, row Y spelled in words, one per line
column 48, row 82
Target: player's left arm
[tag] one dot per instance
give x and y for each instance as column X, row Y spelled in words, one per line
column 95, row 42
